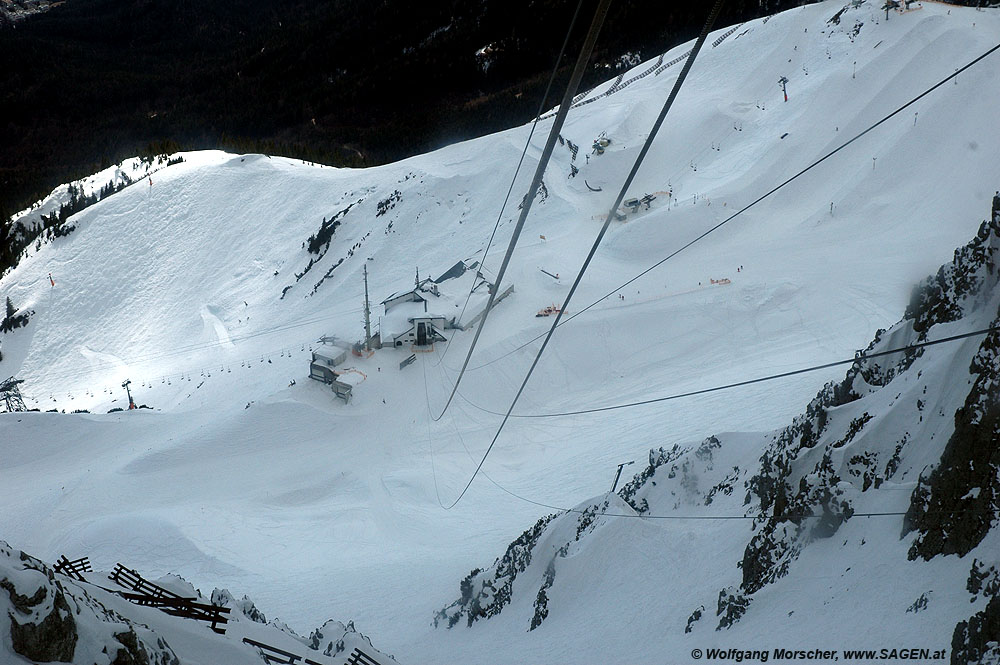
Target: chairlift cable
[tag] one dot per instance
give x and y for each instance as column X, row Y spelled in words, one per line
column 203, row 346
column 742, row 517
column 520, row 162
column 739, row 384
column 578, row 71
column 713, row 518
column 752, row 204
column 621, row 194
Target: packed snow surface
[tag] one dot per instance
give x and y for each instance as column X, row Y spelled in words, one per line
column 245, row 474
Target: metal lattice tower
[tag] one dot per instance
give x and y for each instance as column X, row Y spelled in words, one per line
column 10, row 396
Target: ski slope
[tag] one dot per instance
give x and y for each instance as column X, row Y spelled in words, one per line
column 239, row 478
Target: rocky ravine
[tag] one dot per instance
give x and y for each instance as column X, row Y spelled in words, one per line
column 929, row 415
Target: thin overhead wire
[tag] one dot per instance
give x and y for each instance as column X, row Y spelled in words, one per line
column 739, row 384
column 714, row 518
column 430, row 444
column 527, row 143
column 430, row 438
column 567, row 101
column 750, row 205
column 614, row 208
column 783, row 517
column 202, row 346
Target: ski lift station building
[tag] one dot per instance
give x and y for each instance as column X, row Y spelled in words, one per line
column 418, row 317
column 398, row 329
column 407, row 321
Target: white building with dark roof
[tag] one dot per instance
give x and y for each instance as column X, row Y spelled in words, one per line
column 420, row 316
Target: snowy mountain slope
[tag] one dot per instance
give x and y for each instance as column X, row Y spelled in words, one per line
column 320, row 508
column 48, row 219
column 197, row 204
column 920, row 425
column 52, row 617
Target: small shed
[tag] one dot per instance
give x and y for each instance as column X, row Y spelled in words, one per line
column 324, row 359
column 342, row 390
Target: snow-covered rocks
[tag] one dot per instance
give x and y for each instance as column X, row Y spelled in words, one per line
column 48, row 618
column 925, row 418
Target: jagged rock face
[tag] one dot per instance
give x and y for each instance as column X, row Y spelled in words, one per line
column 695, row 617
column 53, row 638
column 48, row 619
column 953, row 508
column 732, row 605
column 941, row 298
column 328, row 638
column 245, row 606
column 333, row 638
column 658, row 458
column 130, row 653
column 849, row 441
column 978, row 639
column 816, row 510
column 947, row 508
column 41, row 626
column 485, row 593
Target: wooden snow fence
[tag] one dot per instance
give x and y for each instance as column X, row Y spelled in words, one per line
column 723, row 36
column 359, row 657
column 144, row 592
column 130, row 579
column 182, row 607
column 621, row 82
column 75, row 568
column 276, row 655
column 282, row 657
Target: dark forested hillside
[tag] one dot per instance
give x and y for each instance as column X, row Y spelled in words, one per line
column 349, row 82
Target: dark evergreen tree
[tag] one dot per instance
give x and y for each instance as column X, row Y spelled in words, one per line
column 13, row 320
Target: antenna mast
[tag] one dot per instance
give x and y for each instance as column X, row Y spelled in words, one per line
column 368, row 315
